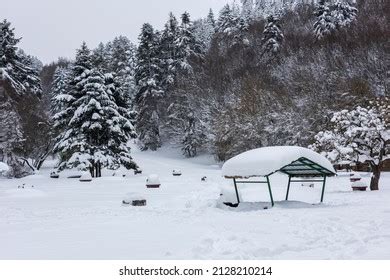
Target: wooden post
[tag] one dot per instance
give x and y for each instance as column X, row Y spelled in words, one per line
column 323, row 189
column 235, row 186
column 270, row 191
column 288, row 186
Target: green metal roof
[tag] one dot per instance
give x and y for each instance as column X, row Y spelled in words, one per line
column 304, row 167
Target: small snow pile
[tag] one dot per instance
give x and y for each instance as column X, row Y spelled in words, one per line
column 86, row 177
column 228, row 195
column 176, row 172
column 153, row 180
column 264, row 161
column 4, row 168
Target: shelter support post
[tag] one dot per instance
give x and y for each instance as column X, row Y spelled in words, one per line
column 270, row 191
column 235, row 186
column 323, row 189
column 288, row 187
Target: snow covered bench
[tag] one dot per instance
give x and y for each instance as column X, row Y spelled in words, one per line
column 359, row 186
column 134, row 199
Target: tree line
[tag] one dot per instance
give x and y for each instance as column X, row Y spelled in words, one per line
column 252, row 76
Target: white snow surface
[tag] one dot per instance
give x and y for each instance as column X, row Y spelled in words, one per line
column 67, row 219
column 3, row 167
column 264, row 161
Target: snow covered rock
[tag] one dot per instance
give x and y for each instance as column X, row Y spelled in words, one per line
column 86, row 177
column 153, row 181
column 134, row 199
column 176, row 172
column 54, row 175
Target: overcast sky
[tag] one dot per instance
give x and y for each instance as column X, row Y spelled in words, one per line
column 53, row 28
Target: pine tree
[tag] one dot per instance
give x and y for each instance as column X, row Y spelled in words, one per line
column 149, row 89
column 343, row 14
column 204, row 30
column 97, row 133
column 331, row 17
column 11, row 134
column 100, row 58
column 169, row 51
column 232, row 24
column 226, row 21
column 81, row 65
column 19, row 80
column 186, row 43
column 122, row 63
column 185, row 126
column 16, row 69
column 211, row 19
column 247, row 9
column 60, row 87
column 122, row 102
column 324, row 24
column 272, row 36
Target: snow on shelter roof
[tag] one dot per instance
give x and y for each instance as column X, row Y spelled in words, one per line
column 292, row 160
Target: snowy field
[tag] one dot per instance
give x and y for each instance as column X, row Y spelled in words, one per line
column 66, row 219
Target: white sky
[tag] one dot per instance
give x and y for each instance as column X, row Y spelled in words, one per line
column 53, row 28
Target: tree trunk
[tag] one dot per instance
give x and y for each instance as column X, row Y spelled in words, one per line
column 376, row 174
column 92, row 170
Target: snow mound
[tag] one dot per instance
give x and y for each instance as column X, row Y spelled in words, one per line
column 264, row 161
column 3, row 167
column 359, row 184
column 228, row 195
column 153, row 179
column 86, row 177
column 130, row 197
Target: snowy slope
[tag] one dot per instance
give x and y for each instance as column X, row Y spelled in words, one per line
column 67, row 219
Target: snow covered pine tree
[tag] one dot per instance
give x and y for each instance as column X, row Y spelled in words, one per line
column 332, row 17
column 18, row 78
column 183, row 124
column 272, row 36
column 361, row 135
column 149, row 93
column 94, row 133
column 60, row 87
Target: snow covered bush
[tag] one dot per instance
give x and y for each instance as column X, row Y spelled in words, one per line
column 359, row 135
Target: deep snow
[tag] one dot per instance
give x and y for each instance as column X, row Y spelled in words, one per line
column 68, row 219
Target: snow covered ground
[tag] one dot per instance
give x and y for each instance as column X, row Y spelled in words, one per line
column 67, row 219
